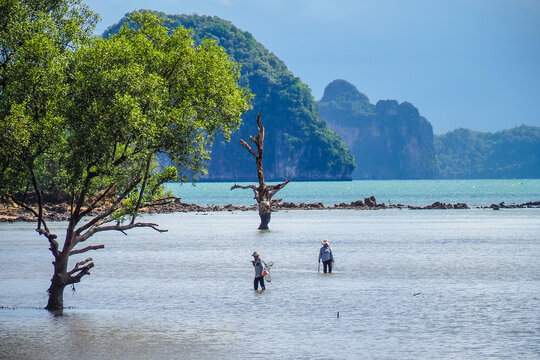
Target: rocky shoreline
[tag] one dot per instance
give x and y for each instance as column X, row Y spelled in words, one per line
column 60, row 212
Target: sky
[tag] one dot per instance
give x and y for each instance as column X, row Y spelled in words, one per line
column 463, row 63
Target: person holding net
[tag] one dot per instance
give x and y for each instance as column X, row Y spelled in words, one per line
column 258, row 264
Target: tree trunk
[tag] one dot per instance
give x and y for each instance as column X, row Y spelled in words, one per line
column 264, row 214
column 58, row 283
column 56, row 296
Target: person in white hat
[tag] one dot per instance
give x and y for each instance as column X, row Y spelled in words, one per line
column 326, row 255
column 258, row 263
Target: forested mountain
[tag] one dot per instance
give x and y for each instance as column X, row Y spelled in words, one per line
column 467, row 154
column 388, row 140
column 298, row 144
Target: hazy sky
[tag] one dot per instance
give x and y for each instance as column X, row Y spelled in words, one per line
column 462, row 63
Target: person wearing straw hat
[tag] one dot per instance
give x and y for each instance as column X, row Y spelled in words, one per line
column 258, row 264
column 326, row 256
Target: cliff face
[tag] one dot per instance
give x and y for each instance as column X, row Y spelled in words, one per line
column 388, row 140
column 298, row 144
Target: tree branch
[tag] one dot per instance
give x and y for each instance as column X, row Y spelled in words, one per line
column 121, row 228
column 246, row 145
column 77, row 265
column 236, row 186
column 41, row 231
column 88, row 248
column 143, row 187
column 273, row 189
column 96, row 201
column 40, row 200
column 85, row 270
column 252, row 187
column 112, row 209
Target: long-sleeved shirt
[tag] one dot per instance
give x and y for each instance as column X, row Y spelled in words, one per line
column 259, row 267
column 325, row 253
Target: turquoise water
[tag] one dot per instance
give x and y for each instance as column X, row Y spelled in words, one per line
column 407, row 192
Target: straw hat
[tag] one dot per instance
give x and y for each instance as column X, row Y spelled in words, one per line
column 255, row 254
column 325, row 242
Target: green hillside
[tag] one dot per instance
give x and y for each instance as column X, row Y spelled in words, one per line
column 298, row 144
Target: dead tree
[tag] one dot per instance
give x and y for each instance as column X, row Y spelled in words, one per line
column 263, row 193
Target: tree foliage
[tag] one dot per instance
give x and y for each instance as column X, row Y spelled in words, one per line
column 35, row 40
column 84, row 117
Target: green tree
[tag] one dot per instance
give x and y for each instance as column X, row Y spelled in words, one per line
column 114, row 104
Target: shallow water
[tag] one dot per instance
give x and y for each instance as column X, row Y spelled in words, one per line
column 408, row 285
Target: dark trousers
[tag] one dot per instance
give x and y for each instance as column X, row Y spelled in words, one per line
column 257, row 281
column 327, row 266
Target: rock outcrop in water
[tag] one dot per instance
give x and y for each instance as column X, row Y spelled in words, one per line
column 59, row 212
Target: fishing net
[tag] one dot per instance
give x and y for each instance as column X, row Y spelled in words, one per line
column 266, row 273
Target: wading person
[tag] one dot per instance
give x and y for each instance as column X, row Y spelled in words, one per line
column 258, row 264
column 326, row 256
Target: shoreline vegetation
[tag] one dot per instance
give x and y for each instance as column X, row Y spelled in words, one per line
column 60, row 211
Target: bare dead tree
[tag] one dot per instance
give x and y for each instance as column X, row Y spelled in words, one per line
column 263, row 193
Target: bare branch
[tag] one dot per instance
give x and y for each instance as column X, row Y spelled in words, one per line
column 77, row 265
column 252, row 187
column 246, row 145
column 143, row 187
column 41, row 231
column 85, row 270
column 236, row 186
column 273, row 189
column 52, row 241
column 40, row 200
column 76, row 214
column 96, row 201
column 259, row 124
column 88, row 248
column 26, row 207
column 112, row 209
column 121, row 228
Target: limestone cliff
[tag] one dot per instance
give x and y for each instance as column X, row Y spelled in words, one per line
column 388, row 140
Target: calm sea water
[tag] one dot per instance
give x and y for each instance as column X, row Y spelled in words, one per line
column 439, row 284
column 407, row 192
